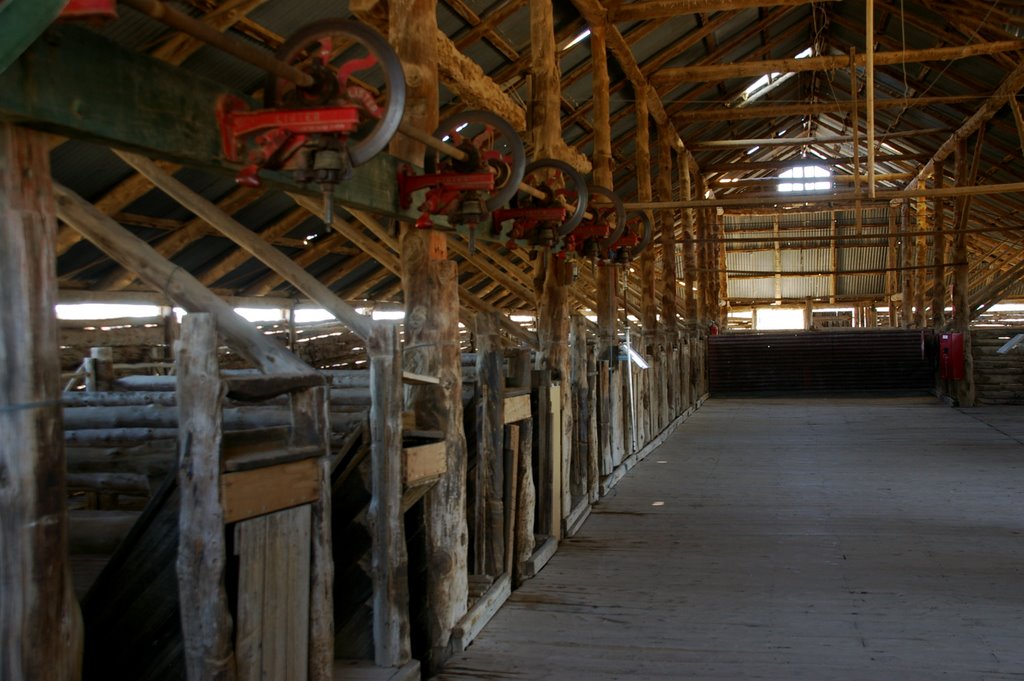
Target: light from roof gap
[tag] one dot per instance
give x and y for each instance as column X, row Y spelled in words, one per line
column 583, row 35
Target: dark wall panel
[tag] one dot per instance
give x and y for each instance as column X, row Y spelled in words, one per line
column 870, row 361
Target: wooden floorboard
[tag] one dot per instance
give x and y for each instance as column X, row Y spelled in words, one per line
column 788, row 539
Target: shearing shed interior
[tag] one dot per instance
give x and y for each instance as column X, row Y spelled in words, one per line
column 385, row 340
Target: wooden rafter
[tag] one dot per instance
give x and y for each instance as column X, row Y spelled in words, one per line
column 655, row 9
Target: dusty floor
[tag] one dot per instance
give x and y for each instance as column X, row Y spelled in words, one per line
column 789, row 539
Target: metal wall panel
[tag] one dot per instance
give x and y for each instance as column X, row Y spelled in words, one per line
column 843, row 362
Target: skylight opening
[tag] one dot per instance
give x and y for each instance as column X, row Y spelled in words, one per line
column 809, row 178
column 765, row 83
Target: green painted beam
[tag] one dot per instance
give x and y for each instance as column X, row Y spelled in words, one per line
column 75, row 83
column 24, row 21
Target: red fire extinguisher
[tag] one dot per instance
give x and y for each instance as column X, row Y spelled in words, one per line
column 713, row 329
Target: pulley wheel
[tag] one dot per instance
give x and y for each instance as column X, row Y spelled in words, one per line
column 351, row 64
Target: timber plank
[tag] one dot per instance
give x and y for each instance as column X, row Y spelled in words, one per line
column 423, row 463
column 517, row 408
column 272, row 488
column 273, row 606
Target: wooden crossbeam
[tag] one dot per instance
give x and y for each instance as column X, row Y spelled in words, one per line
column 822, row 197
column 733, row 143
column 245, row 238
column 1008, row 88
column 717, row 72
column 811, row 160
column 809, row 108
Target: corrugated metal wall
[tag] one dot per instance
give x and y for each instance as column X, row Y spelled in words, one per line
column 797, row 257
column 847, row 362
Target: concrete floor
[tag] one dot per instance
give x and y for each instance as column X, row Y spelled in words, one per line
column 789, row 539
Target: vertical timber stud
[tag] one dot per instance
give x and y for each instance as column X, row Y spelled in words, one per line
column 490, row 533
column 648, row 298
column 667, row 217
column 689, row 245
column 206, row 625
column 920, row 262
column 892, row 275
column 311, row 426
column 961, row 272
column 722, row 264
column 40, row 624
column 647, row 399
column 939, row 254
column 430, row 287
column 607, row 305
column 389, row 559
column 553, row 298
column 906, row 262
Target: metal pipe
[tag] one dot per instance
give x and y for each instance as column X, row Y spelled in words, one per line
column 856, row 135
column 831, row 199
column 197, row 29
column 869, row 65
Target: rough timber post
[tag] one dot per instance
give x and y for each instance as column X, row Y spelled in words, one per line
column 490, row 531
column 892, row 276
column 646, row 401
column 961, row 271
column 607, row 307
column 553, row 274
column 906, row 262
column 669, row 326
column 430, row 287
column 689, row 245
column 939, row 254
column 389, row 559
column 40, row 624
column 920, row 260
column 206, row 624
column 702, row 273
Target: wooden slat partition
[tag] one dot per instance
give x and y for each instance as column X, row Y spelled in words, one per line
column 280, row 512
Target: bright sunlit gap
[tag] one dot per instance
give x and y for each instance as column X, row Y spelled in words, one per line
column 779, row 318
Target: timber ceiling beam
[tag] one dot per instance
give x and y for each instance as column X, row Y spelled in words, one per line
column 749, row 69
column 741, row 166
column 745, row 144
column 810, row 109
column 644, row 10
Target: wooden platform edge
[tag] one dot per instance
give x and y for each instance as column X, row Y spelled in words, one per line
column 366, row 670
column 577, row 517
column 480, row 614
column 541, row 557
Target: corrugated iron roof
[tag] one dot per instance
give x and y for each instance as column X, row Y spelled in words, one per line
column 738, row 36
